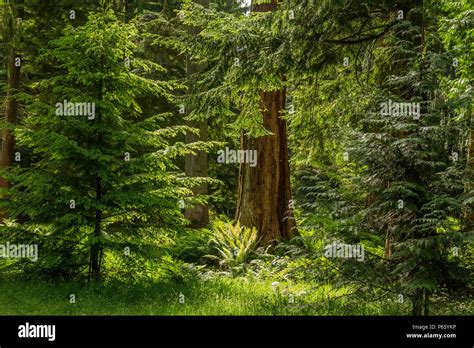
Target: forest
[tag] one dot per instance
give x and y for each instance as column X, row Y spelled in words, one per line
column 236, row 157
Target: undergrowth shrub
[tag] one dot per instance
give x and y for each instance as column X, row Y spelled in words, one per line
column 235, row 244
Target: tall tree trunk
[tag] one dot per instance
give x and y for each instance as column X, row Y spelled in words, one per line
column 264, row 191
column 13, row 83
column 11, row 113
column 96, row 250
column 196, row 165
column 421, row 302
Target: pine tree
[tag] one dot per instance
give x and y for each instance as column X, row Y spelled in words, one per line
column 408, row 167
column 102, row 176
column 409, row 143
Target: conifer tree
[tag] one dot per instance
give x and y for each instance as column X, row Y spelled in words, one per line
column 101, row 175
column 405, row 157
column 410, row 144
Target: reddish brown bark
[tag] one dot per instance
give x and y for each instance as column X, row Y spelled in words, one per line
column 264, row 190
column 11, row 114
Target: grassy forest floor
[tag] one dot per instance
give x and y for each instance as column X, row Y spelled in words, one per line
column 220, row 296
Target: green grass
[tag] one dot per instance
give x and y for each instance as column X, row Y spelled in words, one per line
column 224, row 296
column 221, row 296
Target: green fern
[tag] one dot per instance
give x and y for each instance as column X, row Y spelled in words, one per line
column 234, row 243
